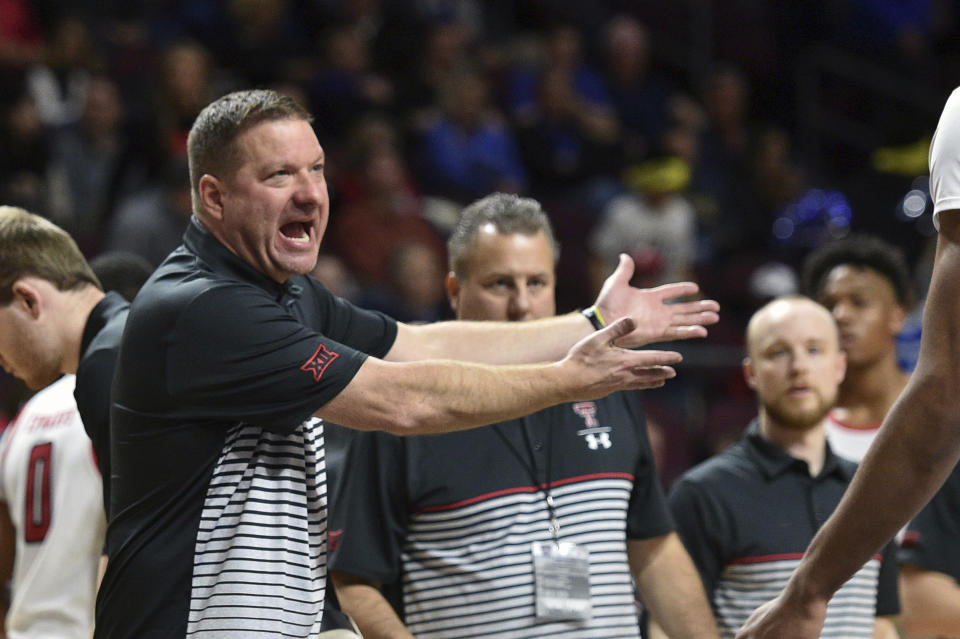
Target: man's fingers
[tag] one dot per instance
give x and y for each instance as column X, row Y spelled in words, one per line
column 624, row 271
column 654, row 372
column 694, row 308
column 646, row 377
column 613, row 332
column 654, row 359
column 676, row 289
column 684, row 332
column 700, row 318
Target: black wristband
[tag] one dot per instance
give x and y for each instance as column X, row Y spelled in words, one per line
column 594, row 316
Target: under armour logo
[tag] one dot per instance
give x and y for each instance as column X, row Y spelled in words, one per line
column 596, row 440
column 319, row 362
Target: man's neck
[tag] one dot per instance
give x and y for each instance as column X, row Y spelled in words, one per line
column 809, row 445
column 76, row 307
column 868, row 391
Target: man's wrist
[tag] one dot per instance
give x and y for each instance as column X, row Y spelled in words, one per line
column 596, row 319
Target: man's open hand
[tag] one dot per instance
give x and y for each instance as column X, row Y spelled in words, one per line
column 597, row 365
column 656, row 319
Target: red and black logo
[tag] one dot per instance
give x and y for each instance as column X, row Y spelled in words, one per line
column 319, row 362
column 333, row 539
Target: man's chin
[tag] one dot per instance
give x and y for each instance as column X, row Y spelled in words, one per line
column 798, row 419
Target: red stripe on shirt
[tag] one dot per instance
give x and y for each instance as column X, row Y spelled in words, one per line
column 524, row 489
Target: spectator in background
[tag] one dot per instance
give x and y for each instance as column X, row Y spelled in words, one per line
column 469, row 150
column 25, row 156
column 563, row 51
column 416, row 283
column 151, row 223
column 865, row 283
column 21, row 43
column 345, row 85
column 96, row 163
column 747, row 514
column 383, row 214
column 459, row 520
column 441, row 52
column 642, row 102
column 122, row 272
column 653, row 222
column 720, row 178
column 565, row 140
column 263, row 42
column 185, row 87
column 59, row 86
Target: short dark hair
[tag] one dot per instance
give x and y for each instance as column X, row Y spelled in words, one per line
column 211, row 147
column 859, row 251
column 33, row 245
column 122, row 272
column 508, row 213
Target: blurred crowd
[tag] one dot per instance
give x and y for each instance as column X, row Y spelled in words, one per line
column 678, row 133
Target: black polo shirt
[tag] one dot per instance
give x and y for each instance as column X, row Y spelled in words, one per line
column 930, row 541
column 747, row 516
column 453, row 517
column 219, row 487
column 98, row 358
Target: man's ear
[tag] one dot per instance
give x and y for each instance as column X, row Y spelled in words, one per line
column 211, row 196
column 898, row 317
column 452, row 286
column 748, row 373
column 27, row 297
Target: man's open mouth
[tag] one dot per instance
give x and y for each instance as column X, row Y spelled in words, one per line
column 299, row 231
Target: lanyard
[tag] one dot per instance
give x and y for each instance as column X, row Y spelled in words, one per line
column 531, row 468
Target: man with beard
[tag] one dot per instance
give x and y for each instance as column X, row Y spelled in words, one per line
column 865, row 283
column 747, row 514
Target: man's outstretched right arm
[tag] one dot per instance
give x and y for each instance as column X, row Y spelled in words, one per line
column 437, row 396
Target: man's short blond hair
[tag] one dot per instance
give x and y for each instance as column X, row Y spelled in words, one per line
column 33, row 245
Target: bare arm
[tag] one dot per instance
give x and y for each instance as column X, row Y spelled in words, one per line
column 547, row 340
column 931, row 602
column 440, row 396
column 885, row 628
column 670, row 587
column 362, row 600
column 914, row 452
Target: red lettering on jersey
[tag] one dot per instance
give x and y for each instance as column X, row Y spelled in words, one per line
column 319, row 362
column 588, row 411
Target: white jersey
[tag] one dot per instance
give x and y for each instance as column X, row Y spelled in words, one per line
column 52, row 488
column 850, row 442
column 944, row 168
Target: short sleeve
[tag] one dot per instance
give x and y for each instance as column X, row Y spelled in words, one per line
column 930, row 541
column 368, row 519
column 92, row 393
column 255, row 362
column 369, row 332
column 696, row 528
column 945, row 159
column 648, row 515
column 888, row 594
